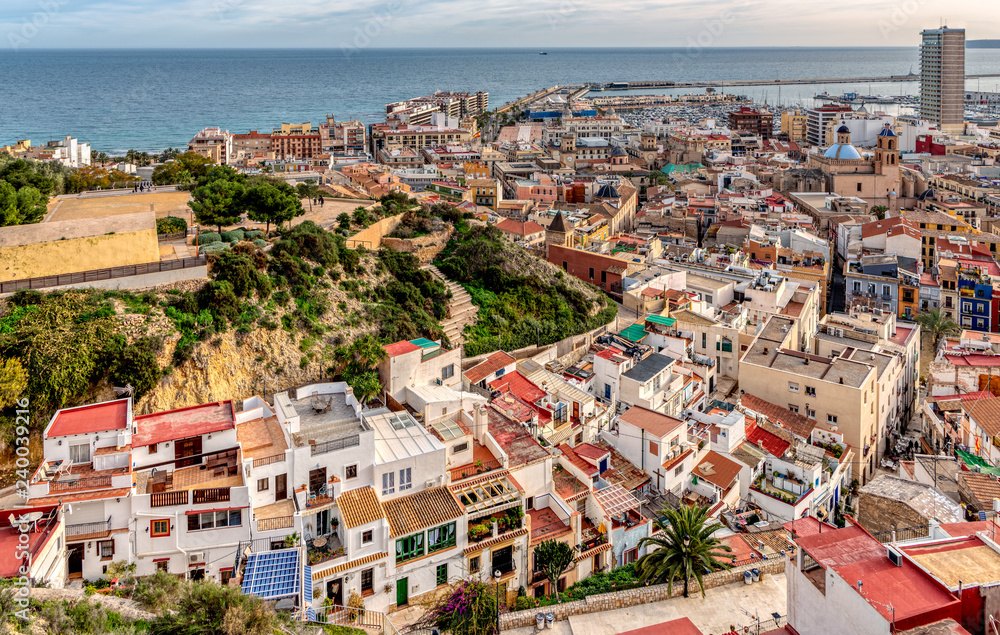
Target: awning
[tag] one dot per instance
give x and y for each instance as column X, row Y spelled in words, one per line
column 634, row 333
column 659, row 319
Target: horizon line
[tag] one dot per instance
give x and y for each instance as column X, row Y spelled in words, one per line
column 455, row 48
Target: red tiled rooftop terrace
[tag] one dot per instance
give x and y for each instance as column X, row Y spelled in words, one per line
column 183, row 423
column 98, row 417
column 545, row 525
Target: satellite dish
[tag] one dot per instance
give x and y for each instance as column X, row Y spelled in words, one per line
column 126, row 390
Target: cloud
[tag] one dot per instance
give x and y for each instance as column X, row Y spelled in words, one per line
column 490, row 23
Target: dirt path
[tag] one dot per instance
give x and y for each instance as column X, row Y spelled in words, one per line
column 127, row 608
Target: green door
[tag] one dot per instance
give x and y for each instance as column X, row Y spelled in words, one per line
column 402, row 592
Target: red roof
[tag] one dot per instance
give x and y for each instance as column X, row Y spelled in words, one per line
column 12, row 540
column 521, row 229
column 182, row 423
column 401, row 347
column 718, row 470
column 770, row 441
column 590, row 451
column 856, row 557
column 806, row 527
column 578, row 462
column 792, row 421
column 965, row 529
column 98, row 417
column 488, row 366
column 680, row 626
column 518, row 385
column 971, row 396
column 973, row 360
column 609, row 352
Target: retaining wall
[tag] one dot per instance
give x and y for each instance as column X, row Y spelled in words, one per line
column 372, row 235
column 641, row 595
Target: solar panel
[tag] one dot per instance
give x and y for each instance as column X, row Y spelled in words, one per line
column 307, row 582
column 982, row 515
column 273, row 574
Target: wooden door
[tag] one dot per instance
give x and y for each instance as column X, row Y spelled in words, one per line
column 187, row 448
column 280, row 487
column 402, row 592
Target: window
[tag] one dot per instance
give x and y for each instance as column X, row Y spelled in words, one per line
column 410, row 547
column 679, row 470
column 794, row 408
column 793, row 387
column 654, row 448
column 980, row 323
column 367, row 581
column 704, row 340
column 441, row 537
column 630, row 556
column 79, row 453
column 811, row 391
column 152, row 448
column 263, row 484
column 529, row 503
column 474, row 564
column 163, row 565
column 106, row 549
column 885, row 291
column 448, row 371
column 811, row 413
column 857, row 287
column 461, row 447
column 225, row 575
column 388, row 483
column 159, row 528
column 831, row 419
column 441, row 574
column 591, row 273
column 859, row 187
column 351, row 471
column 367, row 537
column 604, row 277
column 215, row 520
column 405, row 478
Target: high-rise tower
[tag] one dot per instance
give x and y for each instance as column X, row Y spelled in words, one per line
column 942, row 77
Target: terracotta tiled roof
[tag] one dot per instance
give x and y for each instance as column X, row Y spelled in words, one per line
column 56, row 499
column 400, row 347
column 622, row 471
column 986, row 413
column 770, row 442
column 318, row 575
column 487, row 367
column 983, row 486
column 795, row 423
column 493, row 542
column 430, row 507
column 578, row 462
column 360, row 507
column 590, row 451
column 657, row 424
column 717, row 469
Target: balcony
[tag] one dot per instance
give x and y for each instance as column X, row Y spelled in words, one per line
column 482, row 528
column 88, row 531
column 66, row 484
column 268, row 460
column 325, row 549
column 214, row 495
column 167, row 499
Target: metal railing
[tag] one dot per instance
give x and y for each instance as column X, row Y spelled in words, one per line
column 902, row 533
column 271, row 524
column 364, row 619
column 336, row 444
column 90, row 482
column 166, row 499
column 213, row 495
column 267, row 460
column 83, row 529
column 94, row 275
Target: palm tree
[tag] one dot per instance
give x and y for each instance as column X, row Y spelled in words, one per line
column 684, row 547
column 935, row 323
column 366, row 386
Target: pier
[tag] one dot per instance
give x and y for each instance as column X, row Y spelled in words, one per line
column 645, row 85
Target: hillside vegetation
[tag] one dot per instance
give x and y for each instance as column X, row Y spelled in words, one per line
column 523, row 300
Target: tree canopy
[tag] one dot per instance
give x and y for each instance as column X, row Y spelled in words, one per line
column 185, row 170
column 268, row 203
column 218, row 203
column 684, row 548
column 553, row 558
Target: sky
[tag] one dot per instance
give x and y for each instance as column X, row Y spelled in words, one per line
column 40, row 24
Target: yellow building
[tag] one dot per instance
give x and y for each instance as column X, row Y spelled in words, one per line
column 793, row 125
column 484, row 192
column 295, row 128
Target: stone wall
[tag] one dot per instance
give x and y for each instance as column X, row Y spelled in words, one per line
column 425, row 248
column 877, row 513
column 372, row 236
column 632, row 597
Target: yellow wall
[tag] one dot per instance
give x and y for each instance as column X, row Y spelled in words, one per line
column 78, row 254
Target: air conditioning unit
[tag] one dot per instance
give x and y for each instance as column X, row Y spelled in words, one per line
column 196, row 557
column 895, row 557
column 429, row 484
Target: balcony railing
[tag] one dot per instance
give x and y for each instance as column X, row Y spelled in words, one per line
column 503, row 566
column 90, row 482
column 85, row 529
column 267, row 460
column 271, row 524
column 166, row 499
column 336, row 444
column 214, row 495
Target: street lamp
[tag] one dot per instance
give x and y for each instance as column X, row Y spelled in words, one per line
column 497, row 574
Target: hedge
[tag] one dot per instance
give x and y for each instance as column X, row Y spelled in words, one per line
column 233, row 236
column 206, row 238
column 170, row 225
column 252, row 234
column 260, row 242
column 212, row 248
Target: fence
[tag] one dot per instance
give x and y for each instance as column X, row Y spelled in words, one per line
column 346, row 616
column 270, row 524
column 171, row 236
column 90, row 482
column 267, row 460
column 95, row 275
column 84, row 529
column 336, row 444
column 214, row 495
column 902, row 533
column 166, row 499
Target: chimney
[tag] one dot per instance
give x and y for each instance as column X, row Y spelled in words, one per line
column 480, row 422
column 765, row 350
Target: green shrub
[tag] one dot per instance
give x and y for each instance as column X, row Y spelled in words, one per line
column 206, row 238
column 213, row 248
column 170, row 225
column 260, row 242
column 233, row 236
column 253, row 234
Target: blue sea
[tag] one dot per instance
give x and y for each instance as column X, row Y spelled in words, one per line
column 153, row 99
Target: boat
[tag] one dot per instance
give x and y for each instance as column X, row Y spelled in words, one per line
column 542, row 53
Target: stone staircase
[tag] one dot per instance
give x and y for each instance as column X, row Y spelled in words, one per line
column 461, row 308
